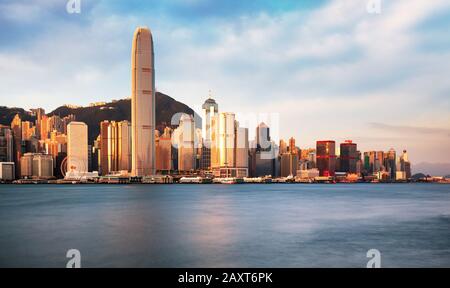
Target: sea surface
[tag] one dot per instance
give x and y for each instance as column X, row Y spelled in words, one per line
column 250, row 225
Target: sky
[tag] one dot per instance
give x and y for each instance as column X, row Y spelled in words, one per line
column 327, row 69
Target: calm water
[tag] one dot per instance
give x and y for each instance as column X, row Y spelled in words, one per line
column 225, row 226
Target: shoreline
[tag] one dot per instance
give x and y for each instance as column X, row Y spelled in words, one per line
column 273, row 183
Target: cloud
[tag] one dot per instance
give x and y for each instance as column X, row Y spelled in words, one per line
column 410, row 129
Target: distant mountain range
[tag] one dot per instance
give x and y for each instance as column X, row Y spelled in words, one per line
column 432, row 169
column 119, row 110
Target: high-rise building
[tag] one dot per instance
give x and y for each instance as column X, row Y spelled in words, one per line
column 27, row 130
column 42, row 166
column 210, row 114
column 124, row 146
column 115, row 146
column 7, row 171
column 263, row 137
column 104, row 140
column 44, row 126
column 164, row 151
column 210, row 110
column 184, row 137
column 39, row 113
column 241, row 147
column 391, row 163
column 227, row 136
column 16, row 127
column 77, row 148
column 36, row 166
column 405, row 165
column 26, row 165
column 292, row 148
column 6, row 144
column 289, row 164
column 326, row 157
column 143, row 103
column 348, row 157
column 283, row 147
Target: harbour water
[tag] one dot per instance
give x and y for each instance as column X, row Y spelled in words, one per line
column 250, row 225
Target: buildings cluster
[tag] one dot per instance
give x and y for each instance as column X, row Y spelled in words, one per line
column 54, row 147
column 34, row 150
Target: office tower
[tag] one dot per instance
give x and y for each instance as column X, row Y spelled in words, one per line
column 143, row 103
column 326, row 157
column 379, row 161
column 96, row 155
column 36, row 166
column 405, row 165
column 263, row 137
column 124, row 146
column 348, row 157
column 292, row 148
column 38, row 112
column 210, row 110
column 214, row 143
column 44, row 126
column 6, row 144
column 26, row 165
column 27, row 130
column 241, row 147
column 263, row 156
column 283, row 147
column 164, row 151
column 42, row 166
column 227, row 135
column 115, row 146
column 16, row 127
column 104, row 140
column 184, row 137
column 7, row 171
column 77, row 148
column 390, row 163
column 289, row 164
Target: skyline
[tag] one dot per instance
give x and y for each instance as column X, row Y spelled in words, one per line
column 329, row 70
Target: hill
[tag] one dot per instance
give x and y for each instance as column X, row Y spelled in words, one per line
column 119, row 110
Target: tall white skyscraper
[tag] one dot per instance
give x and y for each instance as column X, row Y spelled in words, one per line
column 210, row 110
column 227, row 136
column 143, row 103
column 77, row 147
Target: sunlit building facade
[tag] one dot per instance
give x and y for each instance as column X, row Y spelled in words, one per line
column 143, row 103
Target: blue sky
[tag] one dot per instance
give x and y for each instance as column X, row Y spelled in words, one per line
column 329, row 68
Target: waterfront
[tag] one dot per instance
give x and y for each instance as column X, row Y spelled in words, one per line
column 225, row 225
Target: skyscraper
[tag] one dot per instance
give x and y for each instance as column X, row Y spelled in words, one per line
column 6, row 144
column 348, row 157
column 77, row 148
column 210, row 109
column 390, row 163
column 227, row 136
column 210, row 112
column 263, row 137
column 164, row 151
column 143, row 103
column 241, row 147
column 16, row 127
column 185, row 140
column 326, row 157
